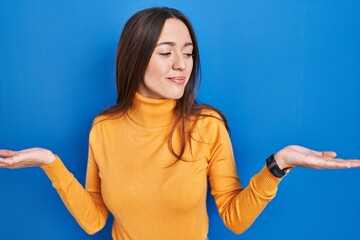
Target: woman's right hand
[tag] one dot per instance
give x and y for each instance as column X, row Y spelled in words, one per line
column 25, row 158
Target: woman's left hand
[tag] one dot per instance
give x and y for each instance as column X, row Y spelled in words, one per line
column 294, row 156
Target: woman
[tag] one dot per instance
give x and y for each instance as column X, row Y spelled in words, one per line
column 150, row 154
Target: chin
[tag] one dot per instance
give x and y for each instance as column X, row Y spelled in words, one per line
column 175, row 95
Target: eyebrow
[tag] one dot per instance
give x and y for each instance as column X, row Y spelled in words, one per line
column 173, row 44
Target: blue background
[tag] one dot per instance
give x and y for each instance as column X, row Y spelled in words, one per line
column 284, row 72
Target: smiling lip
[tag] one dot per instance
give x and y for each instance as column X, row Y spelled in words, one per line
column 178, row 80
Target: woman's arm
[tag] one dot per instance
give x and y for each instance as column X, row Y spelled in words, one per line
column 238, row 206
column 86, row 205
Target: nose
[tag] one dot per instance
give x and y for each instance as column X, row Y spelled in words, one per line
column 179, row 62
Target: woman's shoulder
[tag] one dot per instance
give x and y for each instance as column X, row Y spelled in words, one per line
column 210, row 112
column 98, row 119
column 105, row 119
column 208, row 116
column 210, row 123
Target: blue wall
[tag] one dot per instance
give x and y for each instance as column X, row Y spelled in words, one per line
column 284, row 72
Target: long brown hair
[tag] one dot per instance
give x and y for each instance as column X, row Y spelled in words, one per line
column 136, row 45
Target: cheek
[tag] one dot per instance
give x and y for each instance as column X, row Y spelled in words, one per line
column 154, row 78
column 156, row 69
column 190, row 66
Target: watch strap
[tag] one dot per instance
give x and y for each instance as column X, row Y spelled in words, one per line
column 274, row 168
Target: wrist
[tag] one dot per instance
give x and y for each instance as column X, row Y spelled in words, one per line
column 275, row 169
column 280, row 161
column 50, row 157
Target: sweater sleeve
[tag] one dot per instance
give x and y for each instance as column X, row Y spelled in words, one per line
column 238, row 206
column 86, row 205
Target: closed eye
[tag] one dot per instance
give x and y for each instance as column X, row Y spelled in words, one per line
column 165, row 54
column 188, row 55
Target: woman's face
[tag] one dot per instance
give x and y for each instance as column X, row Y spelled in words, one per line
column 170, row 64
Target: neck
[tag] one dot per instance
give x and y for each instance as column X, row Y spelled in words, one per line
column 152, row 112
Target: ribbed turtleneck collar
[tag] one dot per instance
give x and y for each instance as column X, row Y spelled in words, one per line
column 152, row 112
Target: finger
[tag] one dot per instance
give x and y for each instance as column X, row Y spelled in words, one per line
column 7, row 153
column 350, row 163
column 336, row 163
column 329, row 154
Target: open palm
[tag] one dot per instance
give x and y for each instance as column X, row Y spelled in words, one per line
column 25, row 158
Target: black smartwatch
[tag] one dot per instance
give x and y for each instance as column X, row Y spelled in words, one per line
column 274, row 168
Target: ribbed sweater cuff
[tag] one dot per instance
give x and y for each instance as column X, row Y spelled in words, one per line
column 265, row 184
column 58, row 173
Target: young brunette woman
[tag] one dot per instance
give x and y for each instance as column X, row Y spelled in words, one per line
column 152, row 153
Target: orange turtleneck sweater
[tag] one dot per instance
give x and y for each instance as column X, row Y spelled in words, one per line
column 131, row 174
